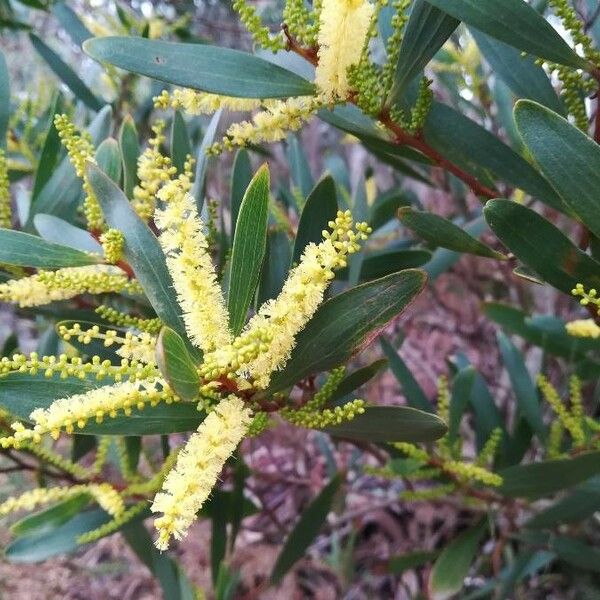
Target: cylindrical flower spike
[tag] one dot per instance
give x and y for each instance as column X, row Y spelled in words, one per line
column 189, row 262
column 343, row 33
column 190, row 482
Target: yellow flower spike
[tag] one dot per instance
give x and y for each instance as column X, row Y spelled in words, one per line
column 80, row 150
column 194, row 277
column 75, row 411
column 343, row 33
column 280, row 320
column 107, row 497
column 113, row 242
column 5, row 201
column 51, row 286
column 198, row 465
column 37, row 497
column 203, row 103
column 583, row 328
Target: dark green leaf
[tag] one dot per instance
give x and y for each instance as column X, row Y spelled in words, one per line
column 440, row 232
column 427, row 30
column 568, row 158
column 180, row 142
column 241, row 176
column 130, row 152
column 50, row 151
column 200, row 67
column 58, row 231
column 521, row 73
column 413, row 393
column 452, row 566
column 66, row 74
column 516, row 23
column 306, row 530
column 462, row 389
column 300, row 173
column 382, row 424
column 320, row 208
column 26, row 250
column 545, row 478
column 344, row 325
column 357, row 379
column 71, row 23
column 576, row 553
column 275, row 267
column 474, row 148
column 202, row 158
column 525, row 391
column 21, row 393
column 51, row 517
column 413, row 560
column 60, row 540
column 142, row 250
column 385, row 207
column 582, row 503
column 108, row 158
column 381, row 264
column 249, row 246
column 541, row 245
column 176, row 365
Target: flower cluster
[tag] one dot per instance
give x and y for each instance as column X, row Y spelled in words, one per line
column 5, row 201
column 81, row 150
column 198, row 465
column 203, row 103
column 121, row 319
column 583, row 328
column 51, row 286
column 113, row 242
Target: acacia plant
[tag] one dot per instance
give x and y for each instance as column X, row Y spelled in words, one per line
column 206, row 322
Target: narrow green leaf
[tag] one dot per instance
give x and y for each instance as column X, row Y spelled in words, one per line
column 382, row 424
column 241, row 176
column 452, row 566
column 525, row 391
column 71, row 23
column 516, row 23
column 347, row 323
column 275, row 267
column 50, row 151
column 320, row 208
column 200, row 67
column 440, row 232
column 142, row 250
column 108, row 158
column 474, row 149
column 412, row 560
column 306, row 530
column 26, row 250
column 300, row 173
column 541, row 245
column 58, row 231
column 66, row 74
column 413, row 392
column 202, row 158
column 180, row 142
column 385, row 263
column 356, row 380
column 176, row 365
column 60, row 540
column 520, row 73
column 540, row 479
column 51, row 517
column 249, row 246
column 462, row 389
column 130, row 152
column 4, row 100
column 576, row 553
column 427, row 30
column 568, row 158
column 21, row 394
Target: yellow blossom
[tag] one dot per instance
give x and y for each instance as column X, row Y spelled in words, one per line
column 271, row 124
column 75, row 411
column 583, row 328
column 80, row 149
column 113, row 242
column 190, row 482
column 63, row 284
column 194, row 277
column 203, row 103
column 343, row 33
column 5, row 202
column 269, row 337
